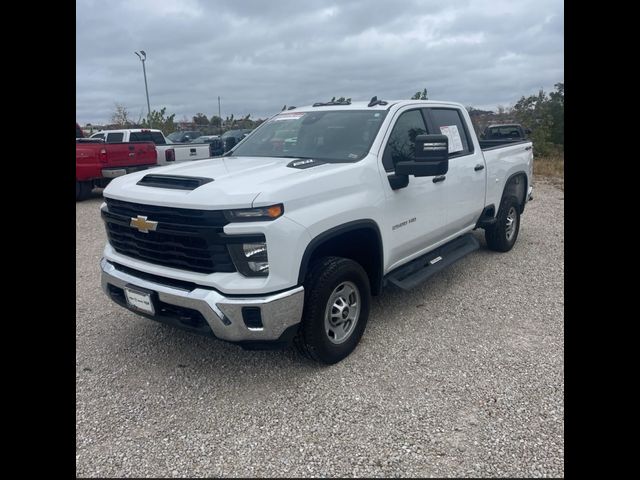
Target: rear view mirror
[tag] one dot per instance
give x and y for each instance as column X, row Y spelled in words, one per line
column 431, row 157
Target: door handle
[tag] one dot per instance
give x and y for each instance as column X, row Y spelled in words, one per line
column 528, row 148
column 439, row 178
column 478, row 167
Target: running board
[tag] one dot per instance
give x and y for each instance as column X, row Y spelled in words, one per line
column 424, row 267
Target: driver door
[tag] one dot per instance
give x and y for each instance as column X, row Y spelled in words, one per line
column 414, row 217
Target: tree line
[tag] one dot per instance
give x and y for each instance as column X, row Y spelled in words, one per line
column 121, row 118
column 542, row 113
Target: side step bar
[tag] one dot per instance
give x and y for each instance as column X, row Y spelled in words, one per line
column 418, row 270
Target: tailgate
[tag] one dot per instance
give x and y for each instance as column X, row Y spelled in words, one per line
column 188, row 152
column 130, row 154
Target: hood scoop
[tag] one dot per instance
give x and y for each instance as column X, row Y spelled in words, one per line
column 176, row 182
column 303, row 163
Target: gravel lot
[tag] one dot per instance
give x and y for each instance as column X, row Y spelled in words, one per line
column 463, row 376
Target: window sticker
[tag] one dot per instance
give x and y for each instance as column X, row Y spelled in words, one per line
column 455, row 142
column 288, row 116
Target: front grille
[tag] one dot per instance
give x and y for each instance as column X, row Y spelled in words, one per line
column 186, row 239
column 181, row 216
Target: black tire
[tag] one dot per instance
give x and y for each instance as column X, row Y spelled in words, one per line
column 324, row 277
column 498, row 236
column 83, row 190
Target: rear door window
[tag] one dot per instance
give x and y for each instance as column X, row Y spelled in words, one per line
column 449, row 122
column 155, row 137
column 115, row 137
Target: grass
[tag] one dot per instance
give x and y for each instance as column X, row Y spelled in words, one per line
column 551, row 166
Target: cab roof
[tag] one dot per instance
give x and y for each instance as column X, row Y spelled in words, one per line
column 365, row 105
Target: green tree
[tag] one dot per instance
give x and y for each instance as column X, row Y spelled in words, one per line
column 200, row 119
column 544, row 115
column 556, row 110
column 158, row 120
column 420, row 95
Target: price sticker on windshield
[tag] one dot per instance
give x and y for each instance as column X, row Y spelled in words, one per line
column 288, row 116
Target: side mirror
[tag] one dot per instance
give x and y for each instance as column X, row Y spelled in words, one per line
column 431, row 157
column 527, row 131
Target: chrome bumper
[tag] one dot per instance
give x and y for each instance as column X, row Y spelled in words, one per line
column 223, row 314
column 113, row 172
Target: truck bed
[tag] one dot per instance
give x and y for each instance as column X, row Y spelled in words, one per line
column 97, row 160
column 502, row 161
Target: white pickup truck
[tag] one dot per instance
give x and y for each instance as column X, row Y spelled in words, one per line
column 281, row 241
column 168, row 152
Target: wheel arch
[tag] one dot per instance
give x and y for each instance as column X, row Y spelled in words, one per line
column 517, row 185
column 359, row 240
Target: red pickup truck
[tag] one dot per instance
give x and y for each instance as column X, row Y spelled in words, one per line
column 98, row 162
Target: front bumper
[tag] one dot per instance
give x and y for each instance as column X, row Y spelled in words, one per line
column 224, row 316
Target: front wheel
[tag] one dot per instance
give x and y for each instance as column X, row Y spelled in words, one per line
column 502, row 236
column 336, row 309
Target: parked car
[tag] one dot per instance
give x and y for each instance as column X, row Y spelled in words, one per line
column 183, row 137
column 167, row 153
column 233, row 137
column 97, row 162
column 263, row 247
column 216, row 145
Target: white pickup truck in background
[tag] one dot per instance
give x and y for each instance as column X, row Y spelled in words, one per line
column 281, row 241
column 168, row 152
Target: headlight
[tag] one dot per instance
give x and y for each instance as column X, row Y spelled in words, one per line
column 250, row 258
column 255, row 214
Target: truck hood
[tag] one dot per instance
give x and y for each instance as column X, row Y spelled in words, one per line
column 237, row 181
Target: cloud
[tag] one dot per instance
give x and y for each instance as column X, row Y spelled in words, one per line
column 261, row 55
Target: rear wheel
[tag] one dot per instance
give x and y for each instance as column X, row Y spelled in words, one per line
column 502, row 236
column 83, row 190
column 336, row 309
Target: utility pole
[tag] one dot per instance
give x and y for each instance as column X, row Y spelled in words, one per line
column 142, row 58
column 219, row 115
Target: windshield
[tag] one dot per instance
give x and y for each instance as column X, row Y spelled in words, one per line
column 333, row 136
column 175, row 136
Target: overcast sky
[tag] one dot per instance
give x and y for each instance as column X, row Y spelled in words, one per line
column 259, row 55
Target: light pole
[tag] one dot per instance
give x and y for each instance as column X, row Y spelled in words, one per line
column 219, row 115
column 142, row 58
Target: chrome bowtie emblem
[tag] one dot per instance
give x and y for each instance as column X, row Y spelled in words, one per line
column 143, row 225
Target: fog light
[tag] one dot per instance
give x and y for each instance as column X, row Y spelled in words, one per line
column 252, row 317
